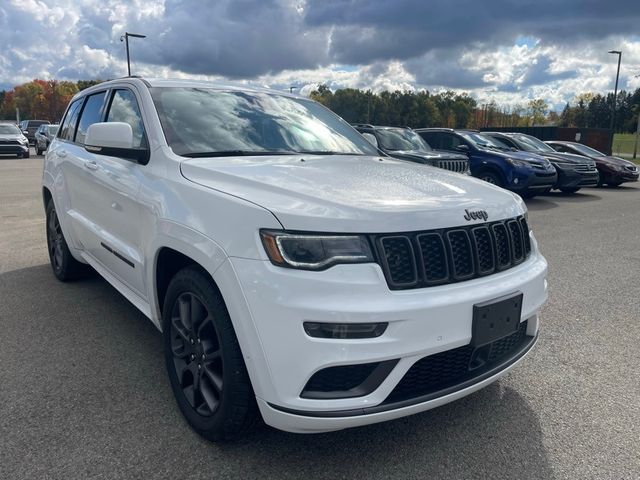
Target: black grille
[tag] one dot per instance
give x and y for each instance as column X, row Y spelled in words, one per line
column 421, row 259
column 446, row 369
column 340, row 378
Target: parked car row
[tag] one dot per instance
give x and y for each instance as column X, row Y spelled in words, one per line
column 515, row 161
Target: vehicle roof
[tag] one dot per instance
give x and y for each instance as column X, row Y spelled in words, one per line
column 173, row 83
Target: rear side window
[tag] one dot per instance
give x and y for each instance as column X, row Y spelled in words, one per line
column 124, row 108
column 91, row 113
column 68, row 127
column 449, row 142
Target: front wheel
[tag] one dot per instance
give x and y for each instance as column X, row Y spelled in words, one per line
column 570, row 190
column 491, row 178
column 206, row 368
column 64, row 266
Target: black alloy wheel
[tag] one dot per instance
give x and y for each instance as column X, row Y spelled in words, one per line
column 55, row 241
column 64, row 266
column 204, row 362
column 197, row 356
column 491, row 178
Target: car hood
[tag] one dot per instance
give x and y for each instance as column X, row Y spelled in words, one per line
column 344, row 193
column 611, row 160
column 431, row 156
column 560, row 157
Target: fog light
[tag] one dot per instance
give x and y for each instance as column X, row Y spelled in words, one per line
column 516, row 181
column 344, row 330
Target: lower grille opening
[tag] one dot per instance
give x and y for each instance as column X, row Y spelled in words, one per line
column 347, row 381
column 449, row 368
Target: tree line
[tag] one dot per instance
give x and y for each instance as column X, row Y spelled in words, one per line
column 40, row 99
column 47, row 100
column 459, row 110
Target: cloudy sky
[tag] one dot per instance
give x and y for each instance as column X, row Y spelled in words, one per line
column 504, row 50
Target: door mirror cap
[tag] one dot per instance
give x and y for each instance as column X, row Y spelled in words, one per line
column 114, row 139
column 371, row 138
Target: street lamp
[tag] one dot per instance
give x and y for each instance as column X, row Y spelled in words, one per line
column 615, row 91
column 292, row 88
column 125, row 38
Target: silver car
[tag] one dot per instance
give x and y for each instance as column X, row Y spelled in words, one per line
column 43, row 137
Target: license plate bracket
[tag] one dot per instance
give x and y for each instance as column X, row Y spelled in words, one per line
column 496, row 319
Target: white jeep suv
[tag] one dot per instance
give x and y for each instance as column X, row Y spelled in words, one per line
column 294, row 270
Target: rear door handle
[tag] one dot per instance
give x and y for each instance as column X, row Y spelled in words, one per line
column 91, row 165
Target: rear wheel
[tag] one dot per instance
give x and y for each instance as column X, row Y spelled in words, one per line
column 491, row 178
column 64, row 266
column 206, row 369
column 570, row 190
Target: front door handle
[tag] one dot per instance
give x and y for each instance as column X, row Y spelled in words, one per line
column 91, row 165
column 61, row 153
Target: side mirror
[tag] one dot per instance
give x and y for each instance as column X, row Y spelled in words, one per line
column 371, row 138
column 24, row 132
column 114, row 139
column 462, row 148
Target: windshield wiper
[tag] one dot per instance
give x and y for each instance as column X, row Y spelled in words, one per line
column 325, row 152
column 237, row 153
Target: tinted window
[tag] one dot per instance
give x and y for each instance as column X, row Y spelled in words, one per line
column 91, row 113
column 210, row 122
column 449, row 141
column 401, row 139
column 68, row 127
column 124, row 108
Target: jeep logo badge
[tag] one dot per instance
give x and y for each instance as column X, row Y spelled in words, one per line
column 477, row 215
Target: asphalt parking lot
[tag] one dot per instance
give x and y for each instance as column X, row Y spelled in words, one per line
column 83, row 392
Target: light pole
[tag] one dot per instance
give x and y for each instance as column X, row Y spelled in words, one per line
column 292, row 88
column 125, row 38
column 615, row 91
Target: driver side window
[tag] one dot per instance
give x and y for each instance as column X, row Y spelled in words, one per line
column 124, row 108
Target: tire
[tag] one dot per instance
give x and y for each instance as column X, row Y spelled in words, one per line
column 206, row 368
column 528, row 195
column 25, row 155
column 64, row 266
column 38, row 150
column 570, row 190
column 546, row 191
column 614, row 184
column 491, row 178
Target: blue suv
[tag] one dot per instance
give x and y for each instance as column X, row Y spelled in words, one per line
column 489, row 159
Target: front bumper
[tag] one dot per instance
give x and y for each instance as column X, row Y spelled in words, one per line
column 620, row 176
column 534, row 180
column 13, row 149
column 571, row 178
column 422, row 322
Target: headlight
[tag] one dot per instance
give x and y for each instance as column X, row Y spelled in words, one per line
column 617, row 168
column 23, row 140
column 517, row 163
column 309, row 251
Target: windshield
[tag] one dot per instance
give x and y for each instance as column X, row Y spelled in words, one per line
column 532, row 144
column 401, row 139
column 53, row 129
column 9, row 129
column 209, row 122
column 484, row 141
column 588, row 151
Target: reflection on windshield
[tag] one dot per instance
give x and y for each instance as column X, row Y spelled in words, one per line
column 532, row 144
column 588, row 151
column 9, row 130
column 401, row 139
column 484, row 141
column 202, row 121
